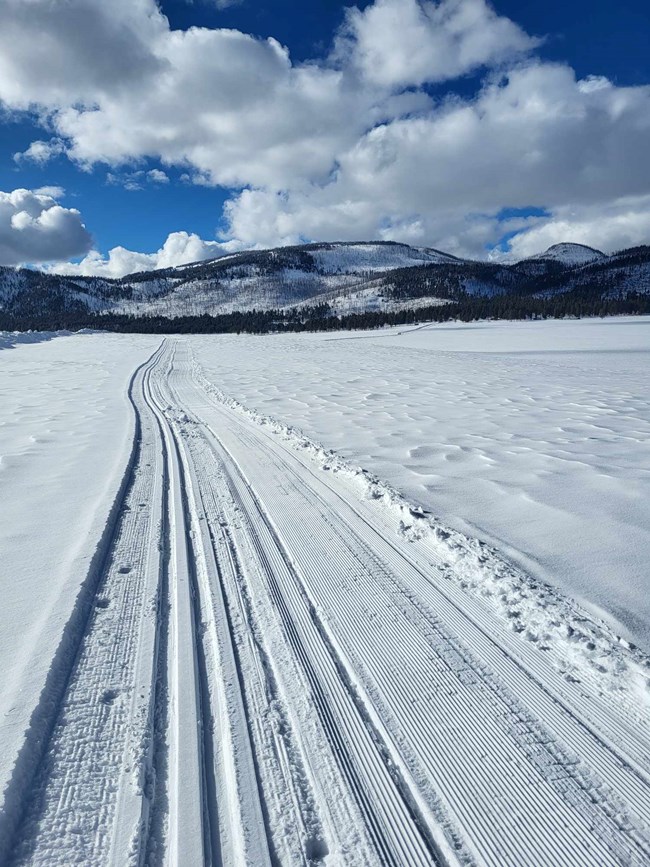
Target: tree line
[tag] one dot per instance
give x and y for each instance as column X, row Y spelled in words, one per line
column 322, row 318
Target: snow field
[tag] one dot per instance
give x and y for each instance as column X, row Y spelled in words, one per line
column 534, row 437
column 283, row 660
column 531, row 735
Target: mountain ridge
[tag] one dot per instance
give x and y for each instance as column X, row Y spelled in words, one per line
column 346, row 277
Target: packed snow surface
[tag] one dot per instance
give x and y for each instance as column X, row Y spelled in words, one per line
column 222, row 642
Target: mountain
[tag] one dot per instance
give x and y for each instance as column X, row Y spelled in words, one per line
column 571, row 255
column 259, row 279
column 271, row 279
column 349, row 278
column 552, row 273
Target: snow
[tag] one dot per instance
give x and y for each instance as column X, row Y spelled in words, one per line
column 532, row 436
column 355, row 258
column 65, row 439
column 340, row 269
column 224, row 641
column 9, row 339
column 571, row 254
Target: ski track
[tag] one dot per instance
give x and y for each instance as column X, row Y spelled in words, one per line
column 270, row 674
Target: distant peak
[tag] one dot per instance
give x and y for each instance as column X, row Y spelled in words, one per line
column 571, row 254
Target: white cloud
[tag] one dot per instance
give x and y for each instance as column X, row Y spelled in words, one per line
column 128, row 180
column 136, row 180
column 535, row 138
column 608, row 227
column 77, row 52
column 401, row 43
column 41, row 152
column 349, row 147
column 34, row 228
column 156, row 176
column 180, row 248
column 53, row 192
column 118, row 85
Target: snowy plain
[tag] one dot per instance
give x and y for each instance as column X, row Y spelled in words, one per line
column 221, row 640
column 533, row 436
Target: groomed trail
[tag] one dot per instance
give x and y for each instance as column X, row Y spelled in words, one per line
column 269, row 674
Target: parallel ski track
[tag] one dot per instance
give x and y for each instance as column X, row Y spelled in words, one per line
column 399, row 835
column 188, row 832
column 586, row 785
column 96, row 798
column 241, row 659
column 209, row 819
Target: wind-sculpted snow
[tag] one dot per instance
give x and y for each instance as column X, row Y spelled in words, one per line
column 537, row 612
column 279, row 659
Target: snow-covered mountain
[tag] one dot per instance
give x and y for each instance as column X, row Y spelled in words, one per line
column 348, row 277
column 571, row 255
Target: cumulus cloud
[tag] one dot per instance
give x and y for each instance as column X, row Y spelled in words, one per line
column 350, row 147
column 180, row 248
column 402, row 43
column 77, row 52
column 34, row 228
column 120, row 84
column 156, row 176
column 535, row 137
column 41, row 152
column 608, row 227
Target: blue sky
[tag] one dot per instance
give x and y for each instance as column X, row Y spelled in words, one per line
column 401, row 101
